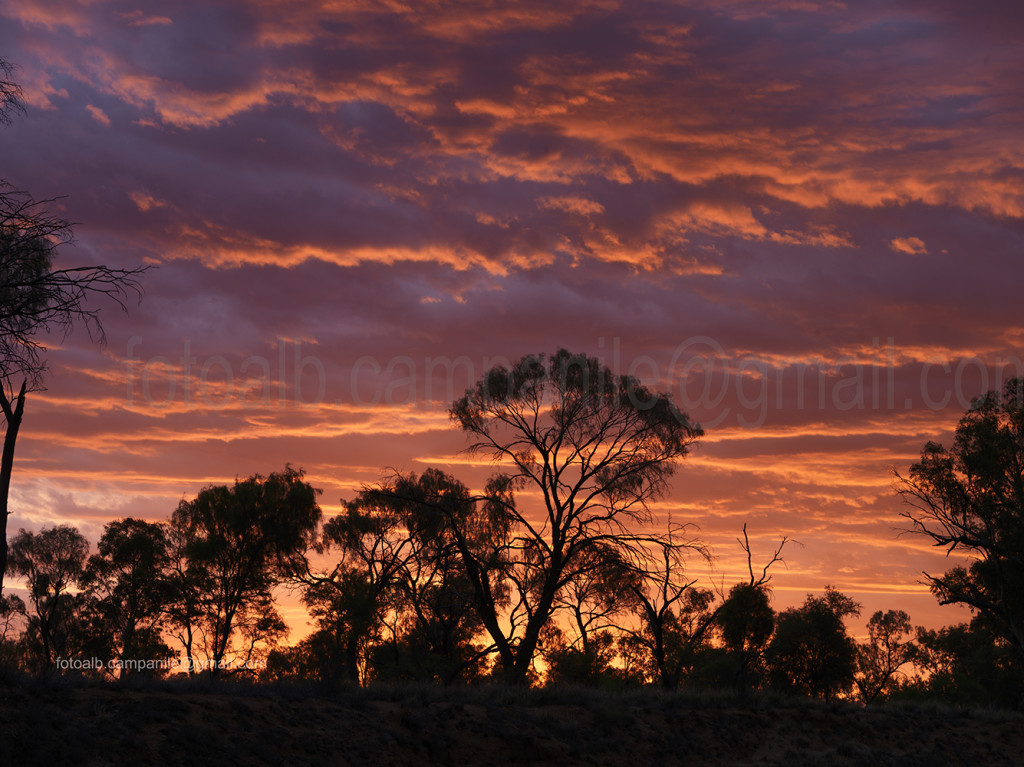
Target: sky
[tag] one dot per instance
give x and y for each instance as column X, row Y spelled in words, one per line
column 804, row 220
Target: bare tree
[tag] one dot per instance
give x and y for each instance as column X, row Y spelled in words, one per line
column 10, row 93
column 37, row 298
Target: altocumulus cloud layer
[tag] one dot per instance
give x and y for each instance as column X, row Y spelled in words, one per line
column 805, row 219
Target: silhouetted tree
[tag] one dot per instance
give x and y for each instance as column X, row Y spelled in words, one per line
column 595, row 447
column 313, row 659
column 439, row 620
column 11, row 102
column 12, row 614
column 970, row 500
column 129, row 579
column 673, row 614
column 52, row 562
column 349, row 602
column 746, row 619
column 573, row 663
column 965, row 664
column 811, row 651
column 435, row 618
column 880, row 659
column 233, row 545
column 36, row 297
column 600, row 591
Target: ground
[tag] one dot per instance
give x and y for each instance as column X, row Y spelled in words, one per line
column 52, row 723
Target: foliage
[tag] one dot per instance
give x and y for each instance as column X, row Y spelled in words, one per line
column 592, row 664
column 129, row 580
column 397, row 584
column 232, row 546
column 746, row 622
column 52, row 563
column 881, row 658
column 965, row 664
column 597, row 448
column 811, row 652
column 673, row 616
column 969, row 499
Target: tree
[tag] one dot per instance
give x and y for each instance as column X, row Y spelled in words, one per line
column 10, row 93
column 970, row 500
column 811, row 651
column 439, row 619
column 52, row 561
column 590, row 602
column 350, row 601
column 414, row 567
column 880, row 659
column 674, row 615
column 233, row 546
column 596, row 448
column 36, row 298
column 588, row 608
column 129, row 579
column 966, row 664
column 573, row 663
column 746, row 619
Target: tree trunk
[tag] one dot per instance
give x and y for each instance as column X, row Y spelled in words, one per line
column 13, row 412
column 352, row 660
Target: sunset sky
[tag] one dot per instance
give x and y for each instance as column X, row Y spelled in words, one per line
column 803, row 219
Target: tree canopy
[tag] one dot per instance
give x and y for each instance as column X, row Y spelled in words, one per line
column 233, row 545
column 597, row 448
column 969, row 500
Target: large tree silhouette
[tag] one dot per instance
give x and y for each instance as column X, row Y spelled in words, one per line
column 233, row 545
column 969, row 500
column 596, row 449
column 129, row 579
column 36, row 297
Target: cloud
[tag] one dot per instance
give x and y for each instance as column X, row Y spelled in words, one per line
column 98, row 115
column 406, row 194
column 913, row 246
column 137, row 18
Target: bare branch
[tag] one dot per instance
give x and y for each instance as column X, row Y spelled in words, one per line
column 35, row 297
column 764, row 578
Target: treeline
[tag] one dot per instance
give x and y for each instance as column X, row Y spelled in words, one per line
column 556, row 572
column 393, row 604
